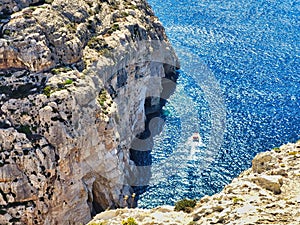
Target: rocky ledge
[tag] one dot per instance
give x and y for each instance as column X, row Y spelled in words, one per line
column 267, row 193
column 78, row 79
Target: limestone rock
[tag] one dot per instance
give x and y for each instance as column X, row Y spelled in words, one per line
column 271, row 183
column 163, row 215
column 76, row 80
column 7, row 7
column 263, row 162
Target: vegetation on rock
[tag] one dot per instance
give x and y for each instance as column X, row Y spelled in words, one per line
column 185, row 205
column 129, row 221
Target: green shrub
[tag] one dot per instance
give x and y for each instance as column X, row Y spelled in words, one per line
column 133, row 7
column 276, row 149
column 71, row 27
column 97, row 223
column 25, row 129
column 99, row 45
column 236, row 200
column 129, row 221
column 105, row 52
column 68, row 81
column 47, row 91
column 103, row 95
column 124, row 14
column 185, row 205
column 6, row 32
column 292, row 153
column 114, row 28
column 60, row 70
column 101, row 102
column 192, row 223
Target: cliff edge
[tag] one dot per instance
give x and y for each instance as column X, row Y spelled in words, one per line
column 267, row 193
column 77, row 80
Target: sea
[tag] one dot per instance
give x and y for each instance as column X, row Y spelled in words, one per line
column 238, row 89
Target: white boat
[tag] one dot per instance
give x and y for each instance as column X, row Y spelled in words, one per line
column 196, row 137
column 197, row 140
column 196, row 144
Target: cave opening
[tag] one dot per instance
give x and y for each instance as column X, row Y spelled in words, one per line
column 141, row 147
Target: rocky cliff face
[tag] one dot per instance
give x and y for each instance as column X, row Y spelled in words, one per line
column 75, row 79
column 267, row 193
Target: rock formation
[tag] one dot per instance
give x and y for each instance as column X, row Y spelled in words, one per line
column 76, row 76
column 267, row 193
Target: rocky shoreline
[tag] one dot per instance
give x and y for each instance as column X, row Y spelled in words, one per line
column 267, row 193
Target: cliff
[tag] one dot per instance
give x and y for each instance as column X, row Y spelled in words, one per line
column 77, row 81
column 267, row 193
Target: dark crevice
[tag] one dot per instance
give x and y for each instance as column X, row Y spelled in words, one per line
column 3, row 196
column 4, row 19
column 5, row 73
column 137, row 32
column 39, row 3
column 4, row 125
column 112, row 92
column 34, row 137
column 16, row 204
column 24, row 86
column 25, row 129
column 97, row 208
column 121, row 78
column 57, row 118
column 142, row 145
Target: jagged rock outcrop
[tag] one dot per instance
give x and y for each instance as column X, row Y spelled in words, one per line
column 267, row 193
column 74, row 80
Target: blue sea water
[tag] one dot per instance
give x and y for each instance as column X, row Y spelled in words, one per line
column 239, row 87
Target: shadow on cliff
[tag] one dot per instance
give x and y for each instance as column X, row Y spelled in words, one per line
column 142, row 145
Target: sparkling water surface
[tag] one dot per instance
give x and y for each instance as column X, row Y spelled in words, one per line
column 249, row 50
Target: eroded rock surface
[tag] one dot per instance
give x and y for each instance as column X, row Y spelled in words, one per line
column 267, row 193
column 74, row 79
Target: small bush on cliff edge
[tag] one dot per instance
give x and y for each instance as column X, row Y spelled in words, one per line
column 129, row 221
column 97, row 223
column 185, row 205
